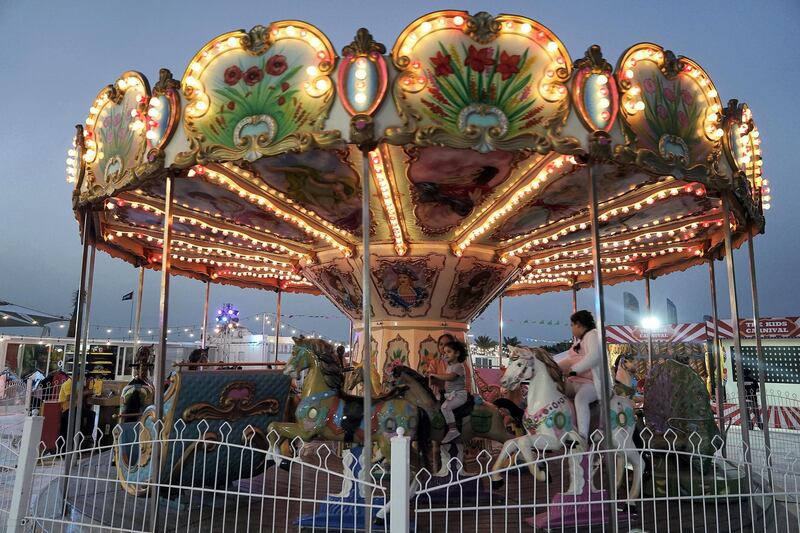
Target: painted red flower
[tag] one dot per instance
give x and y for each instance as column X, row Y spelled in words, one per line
column 232, row 75
column 649, row 85
column 231, row 105
column 687, row 97
column 508, row 65
column 478, row 60
column 252, row 75
column 441, row 63
column 281, row 100
column 661, row 111
column 669, row 94
column 276, row 65
column 284, row 86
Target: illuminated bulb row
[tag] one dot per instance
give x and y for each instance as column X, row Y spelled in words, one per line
column 189, row 247
column 604, row 216
column 272, row 208
column 224, row 232
column 254, row 181
column 379, row 171
column 256, row 275
column 549, row 172
column 712, row 122
column 293, row 32
column 361, row 84
column 72, row 162
column 243, row 268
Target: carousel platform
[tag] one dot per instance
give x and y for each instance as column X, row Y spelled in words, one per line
column 276, row 500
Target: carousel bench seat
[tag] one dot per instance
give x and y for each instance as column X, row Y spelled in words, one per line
column 203, row 409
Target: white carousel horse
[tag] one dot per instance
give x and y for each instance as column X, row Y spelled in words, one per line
column 550, row 420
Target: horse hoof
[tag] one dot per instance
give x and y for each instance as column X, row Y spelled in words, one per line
column 627, row 509
column 285, row 465
column 378, row 521
column 498, row 484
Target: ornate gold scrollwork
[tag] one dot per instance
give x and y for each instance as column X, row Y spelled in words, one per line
column 235, row 402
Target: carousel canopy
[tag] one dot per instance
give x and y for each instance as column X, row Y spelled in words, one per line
column 474, row 131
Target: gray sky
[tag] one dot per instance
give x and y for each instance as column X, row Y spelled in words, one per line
column 58, row 55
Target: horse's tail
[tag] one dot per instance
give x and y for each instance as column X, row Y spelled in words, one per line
column 424, row 436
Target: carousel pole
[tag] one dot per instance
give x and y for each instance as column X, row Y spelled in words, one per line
column 737, row 337
column 649, row 330
column 574, row 298
column 263, row 340
column 717, row 355
column 366, row 361
column 278, row 324
column 78, row 336
column 204, row 335
column 161, row 360
column 762, row 365
column 350, row 343
column 80, row 383
column 138, row 319
column 599, row 150
column 500, row 331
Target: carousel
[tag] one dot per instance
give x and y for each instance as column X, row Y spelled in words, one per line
column 411, row 187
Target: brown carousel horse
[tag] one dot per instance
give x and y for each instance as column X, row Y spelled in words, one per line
column 478, row 421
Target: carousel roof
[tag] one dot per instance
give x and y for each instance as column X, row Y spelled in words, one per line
column 475, row 131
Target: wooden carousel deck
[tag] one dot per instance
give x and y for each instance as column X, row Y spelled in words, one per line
column 274, row 501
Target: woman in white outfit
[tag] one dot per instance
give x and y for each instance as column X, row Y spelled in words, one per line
column 583, row 363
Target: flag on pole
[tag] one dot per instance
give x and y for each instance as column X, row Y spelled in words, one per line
column 128, row 296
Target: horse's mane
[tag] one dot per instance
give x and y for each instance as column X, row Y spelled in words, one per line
column 552, row 367
column 327, row 361
column 416, row 376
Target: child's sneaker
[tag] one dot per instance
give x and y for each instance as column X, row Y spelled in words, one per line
column 452, row 435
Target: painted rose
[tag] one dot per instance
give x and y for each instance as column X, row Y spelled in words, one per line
column 687, row 97
column 661, row 111
column 232, row 75
column 252, row 76
column 284, row 86
column 231, row 105
column 478, row 60
column 669, row 94
column 281, row 100
column 276, row 65
column 508, row 65
column 441, row 64
column 649, row 85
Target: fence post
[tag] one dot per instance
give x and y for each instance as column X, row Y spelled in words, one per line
column 401, row 476
column 28, row 395
column 23, row 480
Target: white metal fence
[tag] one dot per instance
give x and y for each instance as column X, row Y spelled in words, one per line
column 215, row 481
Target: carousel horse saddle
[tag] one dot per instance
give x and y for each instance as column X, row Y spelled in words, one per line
column 353, row 410
column 463, row 411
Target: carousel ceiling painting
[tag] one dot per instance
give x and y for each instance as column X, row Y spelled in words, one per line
column 474, row 133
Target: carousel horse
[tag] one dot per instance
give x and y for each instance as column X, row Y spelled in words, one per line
column 356, row 377
column 327, row 413
column 550, row 421
column 482, row 420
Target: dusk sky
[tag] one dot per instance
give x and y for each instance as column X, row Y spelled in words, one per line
column 58, row 55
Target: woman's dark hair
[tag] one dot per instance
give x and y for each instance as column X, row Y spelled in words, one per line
column 445, row 336
column 584, row 318
column 459, row 348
